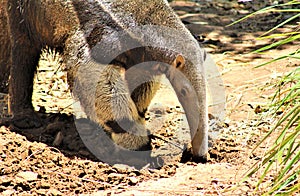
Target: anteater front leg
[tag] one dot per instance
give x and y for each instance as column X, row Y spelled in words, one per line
column 5, row 50
column 24, row 60
column 106, row 99
column 104, row 95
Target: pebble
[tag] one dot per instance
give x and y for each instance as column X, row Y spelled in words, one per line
column 54, row 192
column 133, row 180
column 26, row 176
column 8, row 192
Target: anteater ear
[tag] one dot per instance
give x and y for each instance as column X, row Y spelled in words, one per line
column 179, row 62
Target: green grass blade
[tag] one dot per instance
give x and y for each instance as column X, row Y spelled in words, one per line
column 291, row 55
column 278, row 43
column 272, row 36
column 283, row 118
column 264, row 10
column 284, row 22
column 280, row 182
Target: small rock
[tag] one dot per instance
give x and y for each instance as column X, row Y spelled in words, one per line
column 8, row 192
column 5, row 181
column 45, row 185
column 26, row 176
column 200, row 187
column 170, row 110
column 122, row 168
column 133, row 180
column 54, row 192
column 41, row 191
column 115, row 176
column 215, row 181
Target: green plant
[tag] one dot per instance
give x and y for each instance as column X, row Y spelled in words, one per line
column 281, row 163
column 285, row 152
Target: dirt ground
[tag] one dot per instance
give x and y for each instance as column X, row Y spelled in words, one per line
column 53, row 160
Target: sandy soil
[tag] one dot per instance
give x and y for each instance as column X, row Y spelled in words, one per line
column 53, row 160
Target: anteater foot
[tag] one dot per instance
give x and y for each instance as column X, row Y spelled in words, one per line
column 23, row 120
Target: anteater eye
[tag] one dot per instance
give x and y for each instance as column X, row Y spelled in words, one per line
column 183, row 92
